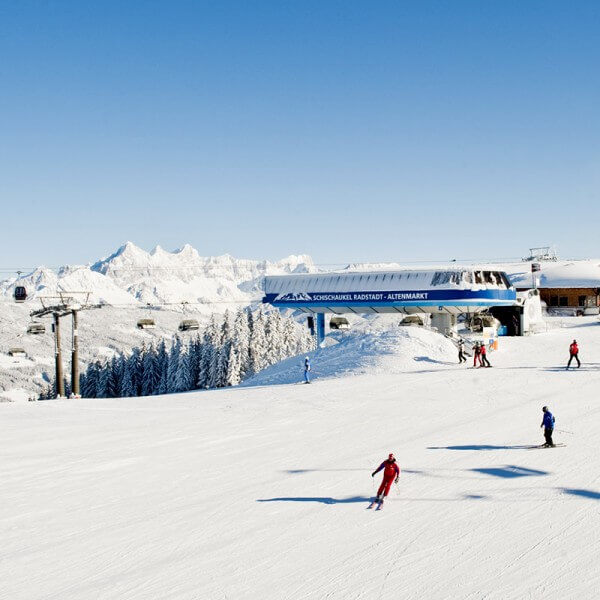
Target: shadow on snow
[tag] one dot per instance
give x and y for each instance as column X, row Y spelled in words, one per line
column 582, row 493
column 322, row 500
column 510, row 472
column 479, row 447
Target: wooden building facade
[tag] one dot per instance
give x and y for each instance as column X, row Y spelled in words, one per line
column 580, row 300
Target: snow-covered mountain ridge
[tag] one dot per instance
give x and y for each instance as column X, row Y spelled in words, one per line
column 131, row 276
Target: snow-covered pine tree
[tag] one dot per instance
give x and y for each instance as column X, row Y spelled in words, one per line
column 173, row 366
column 306, row 342
column 184, row 380
column 218, row 366
column 210, row 344
column 290, row 338
column 128, row 384
column 162, row 361
column 149, row 370
column 47, row 392
column 233, row 365
column 114, row 381
column 274, row 336
column 239, row 368
column 136, row 355
column 258, row 343
column 88, row 388
column 103, row 380
column 195, row 350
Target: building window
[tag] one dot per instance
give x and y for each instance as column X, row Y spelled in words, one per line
column 564, row 301
column 582, row 300
column 553, row 300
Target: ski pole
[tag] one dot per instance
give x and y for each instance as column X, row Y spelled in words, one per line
column 565, row 431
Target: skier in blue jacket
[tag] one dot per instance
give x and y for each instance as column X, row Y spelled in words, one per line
column 306, row 370
column 548, row 425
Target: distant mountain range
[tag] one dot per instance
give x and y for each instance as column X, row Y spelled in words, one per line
column 133, row 277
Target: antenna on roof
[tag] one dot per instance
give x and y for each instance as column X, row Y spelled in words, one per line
column 541, row 253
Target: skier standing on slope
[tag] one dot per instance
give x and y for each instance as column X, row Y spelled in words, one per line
column 461, row 352
column 306, row 370
column 548, row 425
column 574, row 354
column 391, row 472
column 483, row 356
column 477, row 355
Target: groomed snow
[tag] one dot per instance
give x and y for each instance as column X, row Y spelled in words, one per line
column 261, row 491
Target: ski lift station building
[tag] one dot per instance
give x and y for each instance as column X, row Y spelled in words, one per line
column 443, row 293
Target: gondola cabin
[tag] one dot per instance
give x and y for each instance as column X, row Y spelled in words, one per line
column 20, row 294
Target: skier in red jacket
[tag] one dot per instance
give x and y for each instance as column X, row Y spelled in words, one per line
column 391, row 472
column 483, row 356
column 574, row 354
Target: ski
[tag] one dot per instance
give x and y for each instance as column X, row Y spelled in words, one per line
column 545, row 446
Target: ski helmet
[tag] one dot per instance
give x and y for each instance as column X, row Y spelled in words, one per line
column 545, row 408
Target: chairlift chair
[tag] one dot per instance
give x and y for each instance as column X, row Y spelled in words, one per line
column 189, row 325
column 146, row 323
column 36, row 328
column 17, row 352
column 339, row 323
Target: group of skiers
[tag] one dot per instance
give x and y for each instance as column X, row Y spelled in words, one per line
column 479, row 354
column 391, row 470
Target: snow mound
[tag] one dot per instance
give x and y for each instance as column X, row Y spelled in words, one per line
column 372, row 353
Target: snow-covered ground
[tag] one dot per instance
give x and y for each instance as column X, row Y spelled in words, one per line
column 261, row 491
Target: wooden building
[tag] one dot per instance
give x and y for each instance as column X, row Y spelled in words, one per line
column 571, row 287
column 585, row 300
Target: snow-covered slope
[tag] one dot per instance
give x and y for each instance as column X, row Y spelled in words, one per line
column 261, row 492
column 393, row 350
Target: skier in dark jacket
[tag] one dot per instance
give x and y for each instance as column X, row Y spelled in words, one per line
column 477, row 355
column 548, row 425
column 391, row 472
column 574, row 354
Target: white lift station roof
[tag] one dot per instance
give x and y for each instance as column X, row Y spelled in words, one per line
column 460, row 290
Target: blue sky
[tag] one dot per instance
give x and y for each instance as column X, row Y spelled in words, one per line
column 351, row 131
